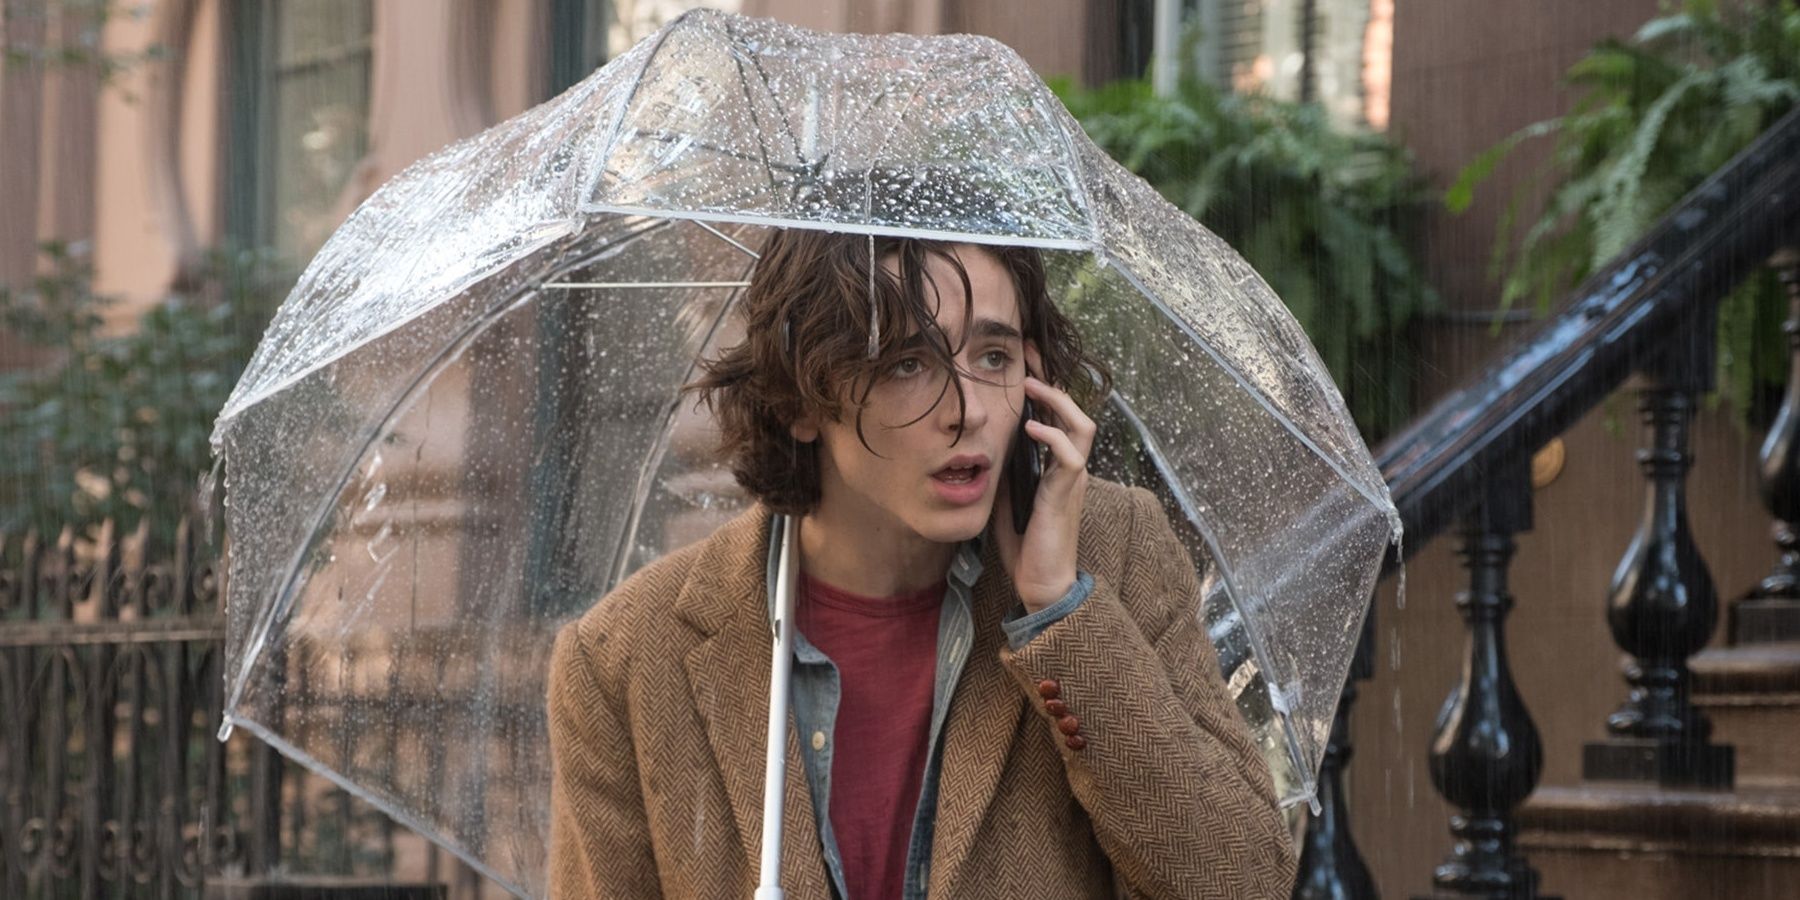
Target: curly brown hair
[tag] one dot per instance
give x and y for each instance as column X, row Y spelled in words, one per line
column 805, row 350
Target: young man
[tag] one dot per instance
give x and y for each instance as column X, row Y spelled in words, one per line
column 976, row 713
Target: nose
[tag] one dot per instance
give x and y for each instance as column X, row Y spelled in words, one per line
column 972, row 413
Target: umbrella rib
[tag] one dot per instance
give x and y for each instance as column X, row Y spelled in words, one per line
column 869, row 189
column 1190, row 510
column 236, row 405
column 259, row 629
column 770, row 221
column 1172, row 479
column 845, row 130
column 1255, row 392
column 618, row 125
column 737, row 57
column 1087, row 203
column 727, row 239
column 1061, row 193
column 380, row 801
column 669, row 137
column 594, row 285
column 641, row 494
column 756, row 63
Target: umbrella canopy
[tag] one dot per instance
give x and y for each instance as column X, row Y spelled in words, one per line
column 462, row 427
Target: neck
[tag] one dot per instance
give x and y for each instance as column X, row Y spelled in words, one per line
column 869, row 559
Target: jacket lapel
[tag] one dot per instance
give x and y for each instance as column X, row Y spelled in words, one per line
column 728, row 673
column 979, row 733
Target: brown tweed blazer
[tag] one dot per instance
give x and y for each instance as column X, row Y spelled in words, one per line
column 659, row 707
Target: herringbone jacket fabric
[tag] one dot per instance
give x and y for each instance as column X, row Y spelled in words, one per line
column 659, row 710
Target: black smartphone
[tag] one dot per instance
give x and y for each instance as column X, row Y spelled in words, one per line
column 1024, row 468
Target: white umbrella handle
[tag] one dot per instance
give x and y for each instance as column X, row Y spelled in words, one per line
column 780, row 672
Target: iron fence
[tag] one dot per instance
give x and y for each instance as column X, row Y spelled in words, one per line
column 115, row 784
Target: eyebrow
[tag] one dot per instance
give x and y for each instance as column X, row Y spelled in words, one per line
column 994, row 328
column 984, row 328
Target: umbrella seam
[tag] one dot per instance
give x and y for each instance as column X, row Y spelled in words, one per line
column 1087, row 202
column 848, row 227
column 735, row 43
column 618, row 123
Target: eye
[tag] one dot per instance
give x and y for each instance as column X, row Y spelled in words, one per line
column 906, row 368
column 996, row 359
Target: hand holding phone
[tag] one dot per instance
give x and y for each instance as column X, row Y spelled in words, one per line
column 1046, row 480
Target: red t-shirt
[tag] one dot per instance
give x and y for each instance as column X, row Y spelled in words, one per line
column 885, row 649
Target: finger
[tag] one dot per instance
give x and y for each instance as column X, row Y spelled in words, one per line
column 1068, row 414
column 1058, row 400
column 1062, row 447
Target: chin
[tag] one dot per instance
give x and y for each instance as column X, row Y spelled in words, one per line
column 956, row 526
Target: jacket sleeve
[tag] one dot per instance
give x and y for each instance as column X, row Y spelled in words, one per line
column 599, row 834
column 1180, row 799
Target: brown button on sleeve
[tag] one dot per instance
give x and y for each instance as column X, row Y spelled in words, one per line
column 1057, row 708
column 1049, row 689
column 1075, row 741
column 1068, row 725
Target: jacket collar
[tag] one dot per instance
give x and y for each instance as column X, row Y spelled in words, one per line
column 728, row 673
column 728, row 574
column 985, row 714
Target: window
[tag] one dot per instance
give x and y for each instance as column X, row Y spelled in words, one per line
column 300, row 119
column 1294, row 49
column 577, row 40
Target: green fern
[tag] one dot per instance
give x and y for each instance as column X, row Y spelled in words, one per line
column 1321, row 213
column 1657, row 115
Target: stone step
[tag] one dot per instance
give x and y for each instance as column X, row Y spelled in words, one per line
column 1644, row 843
column 1752, row 695
column 1759, row 621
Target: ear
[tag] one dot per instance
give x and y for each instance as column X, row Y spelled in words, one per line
column 805, row 429
column 1034, row 360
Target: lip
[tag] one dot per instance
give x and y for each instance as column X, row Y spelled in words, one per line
column 970, row 491
column 964, row 461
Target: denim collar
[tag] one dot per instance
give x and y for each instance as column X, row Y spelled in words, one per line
column 965, row 566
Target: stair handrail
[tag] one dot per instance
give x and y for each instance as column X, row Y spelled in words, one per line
column 1696, row 254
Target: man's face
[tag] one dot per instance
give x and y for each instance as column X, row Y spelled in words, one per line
column 917, row 480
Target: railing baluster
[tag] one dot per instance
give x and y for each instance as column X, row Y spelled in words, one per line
column 97, row 728
column 1331, row 868
column 111, row 783
column 16, row 705
column 1771, row 611
column 1486, row 756
column 1662, row 606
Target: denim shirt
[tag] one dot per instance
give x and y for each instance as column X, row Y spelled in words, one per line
column 815, row 694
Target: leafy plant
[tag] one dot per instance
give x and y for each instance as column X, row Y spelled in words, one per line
column 1321, row 213
column 69, row 33
column 117, row 426
column 1658, row 114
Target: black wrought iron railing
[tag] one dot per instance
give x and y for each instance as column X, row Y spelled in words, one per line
column 112, row 780
column 1464, row 464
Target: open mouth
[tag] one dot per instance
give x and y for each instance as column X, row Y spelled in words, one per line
column 958, row 474
column 964, row 480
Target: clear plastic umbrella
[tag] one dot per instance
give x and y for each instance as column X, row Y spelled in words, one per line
column 462, row 427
